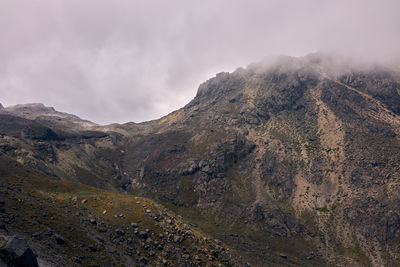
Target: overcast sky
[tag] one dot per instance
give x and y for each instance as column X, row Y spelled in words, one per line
column 127, row 60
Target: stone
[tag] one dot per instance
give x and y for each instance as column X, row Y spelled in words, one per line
column 102, row 229
column 19, row 253
column 59, row 239
column 84, row 201
column 143, row 235
column 134, row 225
column 119, row 232
column 93, row 221
column 99, row 238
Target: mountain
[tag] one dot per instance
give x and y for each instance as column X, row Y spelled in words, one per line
column 289, row 161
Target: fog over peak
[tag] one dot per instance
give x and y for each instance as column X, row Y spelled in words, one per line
column 119, row 61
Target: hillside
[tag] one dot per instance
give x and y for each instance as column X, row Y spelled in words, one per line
column 69, row 224
column 290, row 161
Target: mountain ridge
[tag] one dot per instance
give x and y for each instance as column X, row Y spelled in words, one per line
column 288, row 162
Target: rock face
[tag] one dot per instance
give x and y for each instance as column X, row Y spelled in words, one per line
column 294, row 156
column 301, row 147
column 18, row 253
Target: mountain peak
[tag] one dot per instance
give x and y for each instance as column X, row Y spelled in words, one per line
column 38, row 111
column 31, row 107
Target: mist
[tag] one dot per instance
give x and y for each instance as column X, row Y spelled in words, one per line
column 119, row 61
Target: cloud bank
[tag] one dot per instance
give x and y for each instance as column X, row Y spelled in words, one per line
column 125, row 60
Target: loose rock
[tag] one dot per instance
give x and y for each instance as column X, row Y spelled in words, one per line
column 59, row 239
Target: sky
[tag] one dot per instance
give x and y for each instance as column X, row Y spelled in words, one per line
column 128, row 60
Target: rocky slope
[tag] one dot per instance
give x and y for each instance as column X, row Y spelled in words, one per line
column 291, row 161
column 70, row 224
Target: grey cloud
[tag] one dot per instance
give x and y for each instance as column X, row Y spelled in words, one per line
column 119, row 61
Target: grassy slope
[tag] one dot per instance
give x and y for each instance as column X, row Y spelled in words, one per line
column 38, row 207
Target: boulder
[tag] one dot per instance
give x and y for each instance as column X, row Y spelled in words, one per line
column 18, row 253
